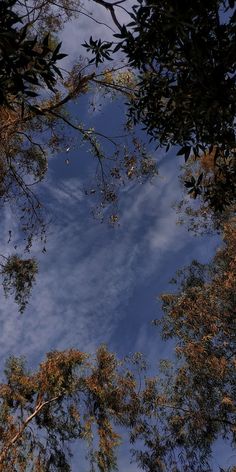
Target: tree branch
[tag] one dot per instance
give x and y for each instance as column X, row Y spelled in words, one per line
column 110, row 8
column 11, row 443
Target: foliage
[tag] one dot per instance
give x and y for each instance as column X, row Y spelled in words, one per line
column 192, row 404
column 185, row 96
column 187, row 91
column 212, row 177
column 39, row 122
column 173, row 418
column 175, row 97
column 25, row 61
column 69, row 397
column 45, row 115
column 201, row 177
column 18, row 278
column 35, row 122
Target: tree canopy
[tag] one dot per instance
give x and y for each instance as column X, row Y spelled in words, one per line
column 193, row 401
column 184, row 53
column 183, row 92
column 34, row 122
column 70, row 397
column 173, row 417
column 26, row 61
column 179, row 83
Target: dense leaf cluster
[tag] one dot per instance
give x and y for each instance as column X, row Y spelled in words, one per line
column 193, row 402
column 70, row 396
column 184, row 54
column 25, row 61
column 18, row 277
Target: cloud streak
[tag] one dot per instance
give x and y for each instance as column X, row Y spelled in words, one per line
column 90, row 271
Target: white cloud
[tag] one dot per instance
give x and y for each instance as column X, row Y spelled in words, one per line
column 90, row 271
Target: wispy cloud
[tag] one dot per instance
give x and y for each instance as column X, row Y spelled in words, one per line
column 90, row 271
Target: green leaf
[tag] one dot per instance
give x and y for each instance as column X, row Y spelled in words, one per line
column 60, row 56
column 56, row 50
column 32, row 79
column 117, row 47
column 185, row 151
column 57, row 70
column 30, row 93
column 199, row 180
column 46, row 40
column 188, row 184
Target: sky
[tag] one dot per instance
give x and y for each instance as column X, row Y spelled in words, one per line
column 99, row 284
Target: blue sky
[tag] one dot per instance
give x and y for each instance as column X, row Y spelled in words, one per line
column 99, row 284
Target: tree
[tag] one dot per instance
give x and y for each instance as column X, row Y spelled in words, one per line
column 185, row 74
column 34, row 122
column 185, row 96
column 175, row 97
column 70, row 397
column 193, row 403
column 175, row 416
column 202, row 216
column 18, row 277
column 25, row 61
